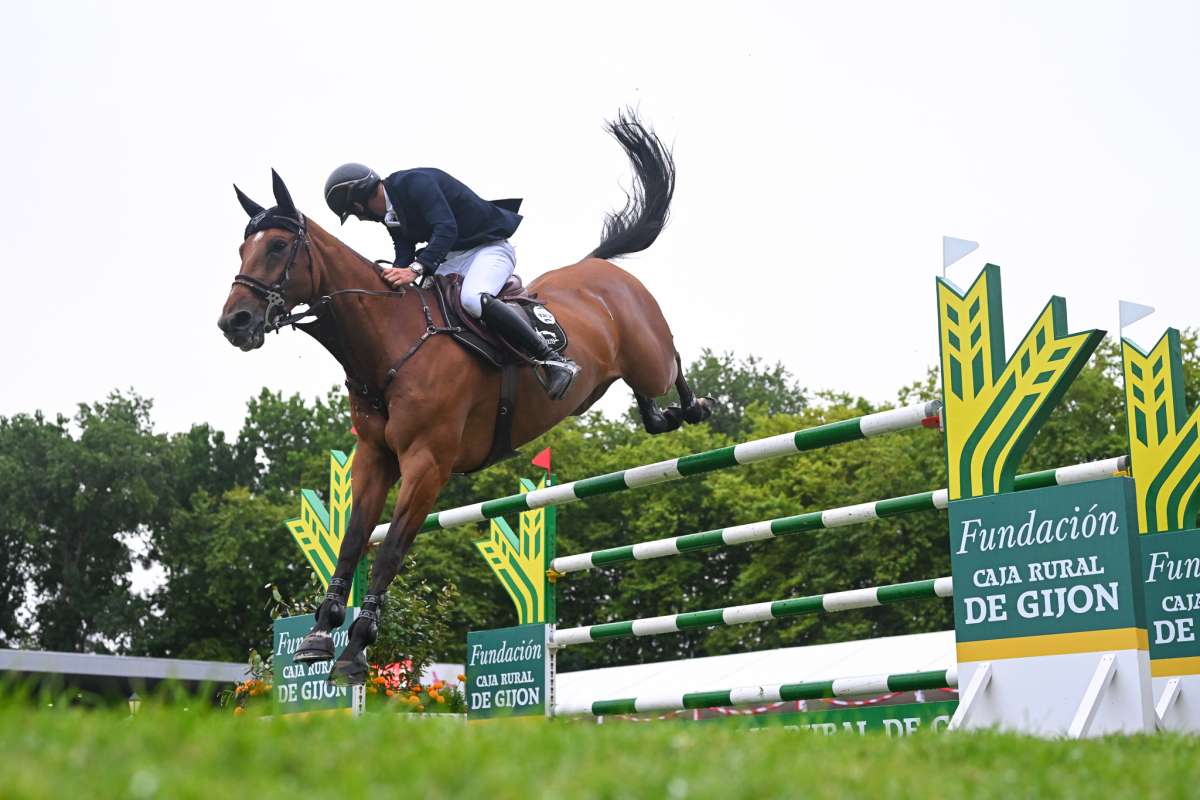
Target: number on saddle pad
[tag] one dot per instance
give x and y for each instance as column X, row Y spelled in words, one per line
column 545, row 324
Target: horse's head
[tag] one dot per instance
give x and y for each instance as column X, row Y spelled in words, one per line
column 277, row 270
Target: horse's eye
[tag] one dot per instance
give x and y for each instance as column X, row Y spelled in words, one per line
column 276, row 246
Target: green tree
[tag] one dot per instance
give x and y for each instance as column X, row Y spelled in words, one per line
column 75, row 493
column 289, row 439
column 218, row 557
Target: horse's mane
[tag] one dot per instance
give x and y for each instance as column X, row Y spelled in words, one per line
column 368, row 262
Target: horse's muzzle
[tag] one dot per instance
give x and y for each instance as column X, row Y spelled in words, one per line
column 243, row 328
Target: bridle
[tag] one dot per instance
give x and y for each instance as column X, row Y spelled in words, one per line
column 277, row 319
column 273, row 293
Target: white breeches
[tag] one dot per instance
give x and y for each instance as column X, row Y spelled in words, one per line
column 485, row 269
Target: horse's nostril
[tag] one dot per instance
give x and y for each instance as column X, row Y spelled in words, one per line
column 241, row 320
column 236, row 322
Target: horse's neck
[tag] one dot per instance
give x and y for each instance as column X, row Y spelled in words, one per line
column 338, row 266
column 366, row 334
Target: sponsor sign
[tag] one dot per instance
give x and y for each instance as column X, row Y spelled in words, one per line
column 1046, row 561
column 891, row 720
column 305, row 687
column 1171, row 577
column 508, row 672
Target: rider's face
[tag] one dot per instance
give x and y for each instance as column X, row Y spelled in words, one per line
column 365, row 214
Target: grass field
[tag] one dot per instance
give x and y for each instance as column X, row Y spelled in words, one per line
column 172, row 753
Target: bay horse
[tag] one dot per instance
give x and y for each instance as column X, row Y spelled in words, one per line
column 422, row 406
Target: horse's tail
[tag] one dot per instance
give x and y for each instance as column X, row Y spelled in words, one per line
column 648, row 203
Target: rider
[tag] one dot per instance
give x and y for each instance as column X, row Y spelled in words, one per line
column 463, row 234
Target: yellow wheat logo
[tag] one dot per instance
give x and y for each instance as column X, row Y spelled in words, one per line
column 1164, row 443
column 319, row 530
column 519, row 559
column 993, row 407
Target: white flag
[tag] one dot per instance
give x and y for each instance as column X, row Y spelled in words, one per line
column 1132, row 312
column 954, row 249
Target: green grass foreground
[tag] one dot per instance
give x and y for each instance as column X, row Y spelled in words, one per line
column 172, row 753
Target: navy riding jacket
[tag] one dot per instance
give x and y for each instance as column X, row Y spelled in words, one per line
column 434, row 207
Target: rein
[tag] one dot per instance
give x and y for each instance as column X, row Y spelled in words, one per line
column 276, row 318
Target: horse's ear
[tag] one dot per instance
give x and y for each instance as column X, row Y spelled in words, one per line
column 252, row 208
column 283, row 198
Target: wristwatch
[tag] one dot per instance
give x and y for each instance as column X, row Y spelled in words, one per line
column 417, row 267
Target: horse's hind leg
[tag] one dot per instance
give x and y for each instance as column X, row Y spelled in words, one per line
column 691, row 409
column 694, row 409
column 656, row 420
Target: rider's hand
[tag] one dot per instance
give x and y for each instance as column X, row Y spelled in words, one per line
column 398, row 277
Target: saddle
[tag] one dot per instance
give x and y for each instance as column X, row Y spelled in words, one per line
column 476, row 339
column 475, row 336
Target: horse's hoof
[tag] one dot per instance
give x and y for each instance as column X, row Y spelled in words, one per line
column 674, row 416
column 315, row 647
column 700, row 410
column 351, row 672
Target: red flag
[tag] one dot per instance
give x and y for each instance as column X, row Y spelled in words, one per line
column 542, row 460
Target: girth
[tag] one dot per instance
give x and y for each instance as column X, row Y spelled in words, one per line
column 506, row 406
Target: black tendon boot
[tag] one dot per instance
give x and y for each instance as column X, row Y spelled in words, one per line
column 317, row 645
column 512, row 325
column 351, row 667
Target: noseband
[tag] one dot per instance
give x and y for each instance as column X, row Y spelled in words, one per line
column 275, row 316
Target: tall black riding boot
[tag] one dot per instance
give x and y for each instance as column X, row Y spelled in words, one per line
column 513, row 326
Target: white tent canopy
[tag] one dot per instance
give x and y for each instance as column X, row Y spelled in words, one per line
column 912, row 653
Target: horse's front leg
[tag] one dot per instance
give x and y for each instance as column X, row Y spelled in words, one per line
column 424, row 476
column 373, row 476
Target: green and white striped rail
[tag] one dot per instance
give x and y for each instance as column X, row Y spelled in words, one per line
column 752, row 695
column 821, row 520
column 757, row 612
column 848, row 430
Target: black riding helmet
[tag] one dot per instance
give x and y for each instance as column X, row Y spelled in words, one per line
column 349, row 184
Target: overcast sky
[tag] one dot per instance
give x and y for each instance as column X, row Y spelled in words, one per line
column 823, row 150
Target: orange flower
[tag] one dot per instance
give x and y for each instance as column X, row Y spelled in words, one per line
column 389, row 692
column 462, row 678
column 441, row 699
column 239, row 711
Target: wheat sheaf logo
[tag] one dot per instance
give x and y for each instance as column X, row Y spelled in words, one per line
column 519, row 558
column 1164, row 440
column 319, row 529
column 994, row 407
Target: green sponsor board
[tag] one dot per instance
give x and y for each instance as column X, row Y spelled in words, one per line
column 892, row 720
column 1045, row 561
column 305, row 687
column 508, row 671
column 1171, row 577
